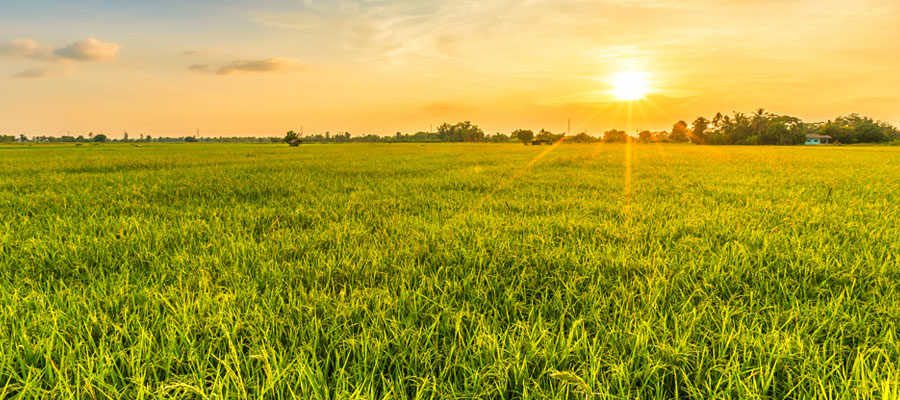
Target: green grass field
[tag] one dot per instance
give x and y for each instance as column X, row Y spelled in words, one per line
column 449, row 271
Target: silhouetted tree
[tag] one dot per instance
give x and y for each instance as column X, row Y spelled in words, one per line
column 697, row 133
column 854, row 128
column 460, row 132
column 290, row 136
column 524, row 135
column 680, row 132
column 499, row 138
column 548, row 136
column 614, row 135
column 583, row 137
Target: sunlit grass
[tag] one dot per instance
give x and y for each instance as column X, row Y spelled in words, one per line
column 449, row 271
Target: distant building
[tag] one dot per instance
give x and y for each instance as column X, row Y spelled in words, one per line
column 812, row 138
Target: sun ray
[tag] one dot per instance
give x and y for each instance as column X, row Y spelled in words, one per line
column 656, row 144
column 516, row 175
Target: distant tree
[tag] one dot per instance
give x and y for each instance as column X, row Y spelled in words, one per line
column 759, row 122
column 840, row 133
column 7, row 138
column 890, row 131
column 718, row 121
column 101, row 138
column 460, row 132
column 645, row 137
column 91, row 136
column 583, row 137
column 291, row 136
column 698, row 130
column 782, row 130
column 524, row 135
column 548, row 136
column 148, row 138
column 680, row 132
column 776, row 133
column 870, row 132
column 499, row 138
column 614, row 135
column 125, row 137
column 190, row 139
column 22, row 138
column 854, row 128
column 743, row 129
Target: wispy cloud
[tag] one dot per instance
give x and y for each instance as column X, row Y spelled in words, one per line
column 32, row 73
column 200, row 68
column 57, row 59
column 250, row 66
column 27, row 48
column 528, row 37
column 89, row 49
column 487, row 37
column 198, row 52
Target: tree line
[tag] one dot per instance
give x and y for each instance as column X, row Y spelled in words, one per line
column 765, row 128
column 457, row 133
column 759, row 128
column 102, row 138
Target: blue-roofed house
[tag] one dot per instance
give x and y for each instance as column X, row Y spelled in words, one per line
column 812, row 138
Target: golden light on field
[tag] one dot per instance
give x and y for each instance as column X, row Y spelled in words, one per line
column 630, row 85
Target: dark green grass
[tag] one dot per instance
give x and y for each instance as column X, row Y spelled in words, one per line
column 449, row 271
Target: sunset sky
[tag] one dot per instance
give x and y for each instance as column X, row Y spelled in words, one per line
column 228, row 67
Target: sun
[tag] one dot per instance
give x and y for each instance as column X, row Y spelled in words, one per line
column 630, row 85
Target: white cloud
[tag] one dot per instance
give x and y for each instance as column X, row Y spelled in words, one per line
column 89, row 49
column 57, row 59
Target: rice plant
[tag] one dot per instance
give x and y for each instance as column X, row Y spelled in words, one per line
column 410, row 271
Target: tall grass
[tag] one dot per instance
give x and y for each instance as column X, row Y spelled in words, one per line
column 449, row 271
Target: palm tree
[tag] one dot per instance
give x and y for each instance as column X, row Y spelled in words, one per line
column 759, row 121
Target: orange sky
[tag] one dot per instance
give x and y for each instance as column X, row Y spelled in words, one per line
column 261, row 68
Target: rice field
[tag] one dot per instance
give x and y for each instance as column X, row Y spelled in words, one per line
column 449, row 271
